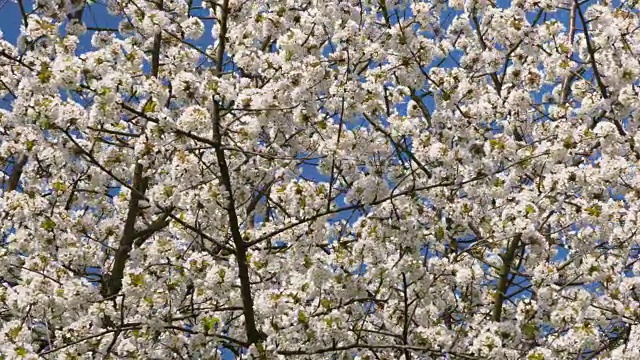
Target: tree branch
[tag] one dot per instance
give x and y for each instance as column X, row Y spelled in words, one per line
column 505, row 269
column 253, row 335
column 16, row 172
column 113, row 281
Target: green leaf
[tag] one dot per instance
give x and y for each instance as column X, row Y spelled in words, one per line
column 529, row 330
column 569, row 143
column 45, row 73
column 373, row 231
column 48, row 225
column 149, row 106
column 20, row 351
column 325, row 303
column 529, row 209
column 296, row 299
column 465, row 208
column 439, row 233
column 595, row 210
column 59, row 186
column 168, row 190
column 308, row 263
column 137, row 279
column 172, row 286
column 497, row 144
column 14, row 332
column 45, row 124
column 103, row 91
column 210, row 323
column 303, row 318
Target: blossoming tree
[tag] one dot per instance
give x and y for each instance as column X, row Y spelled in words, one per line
column 321, row 179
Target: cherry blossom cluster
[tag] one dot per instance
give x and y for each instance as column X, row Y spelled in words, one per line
column 321, row 179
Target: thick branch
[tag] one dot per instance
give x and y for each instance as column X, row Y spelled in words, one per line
column 405, row 325
column 422, row 106
column 160, row 223
column 114, row 281
column 505, row 269
column 592, row 53
column 155, row 53
column 566, row 86
column 16, row 172
column 253, row 336
column 494, row 77
column 23, row 12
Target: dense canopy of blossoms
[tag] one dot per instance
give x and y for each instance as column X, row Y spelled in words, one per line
column 321, row 179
